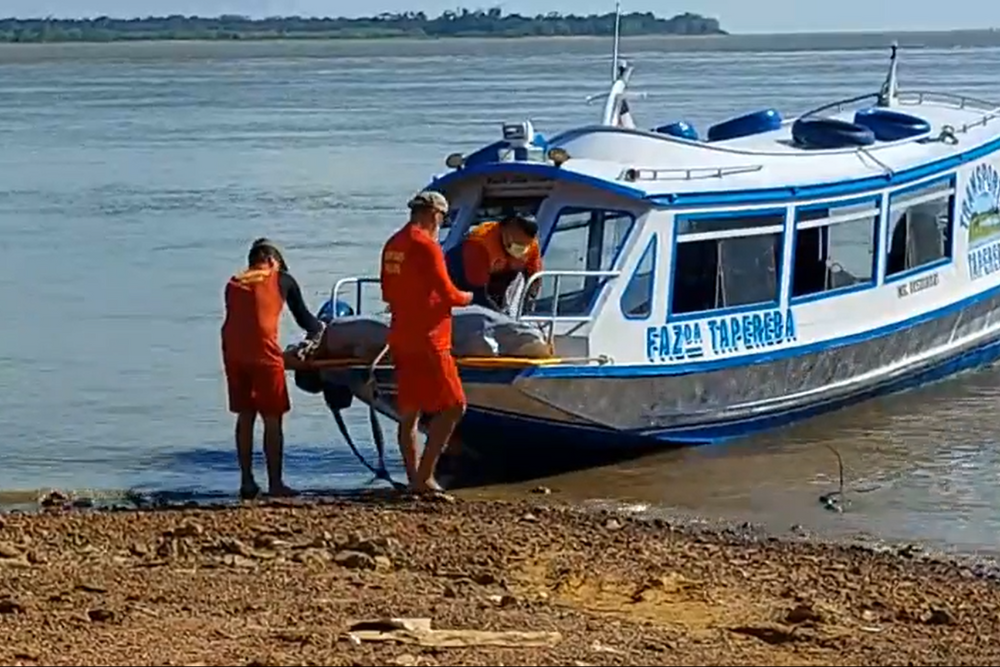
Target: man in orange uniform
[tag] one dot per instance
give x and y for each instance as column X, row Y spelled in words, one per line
column 252, row 356
column 492, row 255
column 420, row 295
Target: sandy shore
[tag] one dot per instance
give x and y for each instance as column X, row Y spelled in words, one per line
column 502, row 583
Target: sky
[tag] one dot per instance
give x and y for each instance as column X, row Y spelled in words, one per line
column 742, row 16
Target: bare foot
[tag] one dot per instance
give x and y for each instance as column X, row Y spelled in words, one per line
column 431, row 486
column 282, row 491
column 249, row 490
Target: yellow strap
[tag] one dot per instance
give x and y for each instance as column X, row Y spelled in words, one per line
column 471, row 362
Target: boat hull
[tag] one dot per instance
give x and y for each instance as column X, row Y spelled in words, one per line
column 612, row 410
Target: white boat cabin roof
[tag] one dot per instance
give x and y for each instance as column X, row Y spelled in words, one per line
column 658, row 164
column 855, row 140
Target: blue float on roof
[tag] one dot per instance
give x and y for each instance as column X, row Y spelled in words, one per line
column 680, row 129
column 830, row 133
column 890, row 125
column 765, row 120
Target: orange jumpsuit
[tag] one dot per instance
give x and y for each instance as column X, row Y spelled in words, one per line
column 420, row 295
column 487, row 268
column 251, row 351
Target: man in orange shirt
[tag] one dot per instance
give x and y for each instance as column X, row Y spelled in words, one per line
column 491, row 256
column 420, row 295
column 253, row 361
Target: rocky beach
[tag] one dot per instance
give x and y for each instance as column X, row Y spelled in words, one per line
column 470, row 582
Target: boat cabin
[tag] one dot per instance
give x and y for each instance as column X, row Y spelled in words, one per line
column 662, row 248
column 699, row 274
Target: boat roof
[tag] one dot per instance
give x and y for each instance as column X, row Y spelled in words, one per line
column 672, row 170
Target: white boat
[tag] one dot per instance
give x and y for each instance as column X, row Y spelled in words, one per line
column 700, row 288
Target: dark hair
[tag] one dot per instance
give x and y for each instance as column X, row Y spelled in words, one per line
column 525, row 224
column 262, row 250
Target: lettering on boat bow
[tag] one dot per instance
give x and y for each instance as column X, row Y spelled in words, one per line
column 981, row 220
column 918, row 285
column 721, row 336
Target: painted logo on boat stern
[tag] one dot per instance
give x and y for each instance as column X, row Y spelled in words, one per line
column 981, row 219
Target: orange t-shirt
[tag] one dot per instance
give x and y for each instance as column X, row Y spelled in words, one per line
column 420, row 294
column 483, row 255
column 253, row 313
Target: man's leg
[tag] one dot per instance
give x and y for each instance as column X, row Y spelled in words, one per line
column 271, row 397
column 239, row 384
column 445, row 397
column 441, row 427
column 245, row 422
column 407, row 437
column 274, row 453
column 409, row 390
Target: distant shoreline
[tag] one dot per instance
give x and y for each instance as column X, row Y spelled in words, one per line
column 491, row 24
column 373, row 38
column 828, row 39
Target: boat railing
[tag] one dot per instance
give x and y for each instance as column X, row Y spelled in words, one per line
column 634, row 174
column 552, row 317
column 837, row 106
column 359, row 282
column 990, row 110
column 960, row 101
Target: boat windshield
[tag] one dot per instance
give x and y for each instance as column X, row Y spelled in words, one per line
column 582, row 239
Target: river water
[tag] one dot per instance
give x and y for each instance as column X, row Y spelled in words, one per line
column 132, row 178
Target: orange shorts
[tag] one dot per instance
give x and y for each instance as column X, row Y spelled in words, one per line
column 259, row 388
column 427, row 381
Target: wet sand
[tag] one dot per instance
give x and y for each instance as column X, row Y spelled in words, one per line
column 284, row 584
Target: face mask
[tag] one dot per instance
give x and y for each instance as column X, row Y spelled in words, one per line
column 517, row 250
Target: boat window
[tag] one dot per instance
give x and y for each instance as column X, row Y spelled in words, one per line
column 729, row 260
column 637, row 298
column 835, row 247
column 581, row 240
column 921, row 227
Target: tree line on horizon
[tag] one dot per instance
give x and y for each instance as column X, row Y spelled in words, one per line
column 459, row 23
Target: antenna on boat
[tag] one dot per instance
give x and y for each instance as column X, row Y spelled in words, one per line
column 887, row 96
column 614, row 56
column 616, row 109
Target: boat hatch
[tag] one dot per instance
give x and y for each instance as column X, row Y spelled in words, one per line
column 498, row 199
column 579, row 255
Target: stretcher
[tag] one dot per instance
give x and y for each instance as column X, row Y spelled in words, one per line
column 294, row 363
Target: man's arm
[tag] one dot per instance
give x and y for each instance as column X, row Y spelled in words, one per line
column 436, row 273
column 297, row 305
column 476, row 266
column 475, row 263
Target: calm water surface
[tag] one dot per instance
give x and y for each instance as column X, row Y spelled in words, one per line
column 132, row 178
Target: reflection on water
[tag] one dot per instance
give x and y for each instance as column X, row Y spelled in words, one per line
column 921, row 465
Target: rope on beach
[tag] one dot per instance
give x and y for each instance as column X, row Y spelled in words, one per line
column 834, row 501
column 379, row 471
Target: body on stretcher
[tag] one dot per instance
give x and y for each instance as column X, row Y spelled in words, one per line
column 481, row 338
